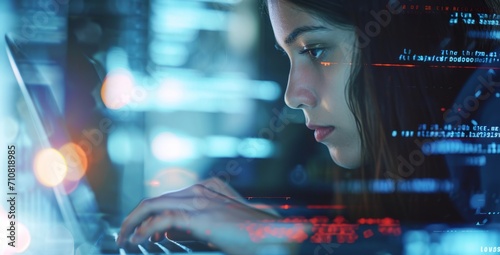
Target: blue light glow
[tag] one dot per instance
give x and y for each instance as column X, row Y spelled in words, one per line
column 221, row 146
column 171, row 147
column 256, row 148
column 125, row 145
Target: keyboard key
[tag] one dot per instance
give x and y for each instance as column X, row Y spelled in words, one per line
column 108, row 245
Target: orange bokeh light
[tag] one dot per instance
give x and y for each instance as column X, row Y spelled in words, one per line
column 154, row 183
column 76, row 161
column 117, row 89
column 50, row 167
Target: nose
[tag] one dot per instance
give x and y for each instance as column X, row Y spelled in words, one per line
column 300, row 93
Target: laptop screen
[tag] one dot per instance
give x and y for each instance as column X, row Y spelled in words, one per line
column 74, row 197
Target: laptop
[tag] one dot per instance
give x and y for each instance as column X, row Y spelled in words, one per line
column 78, row 209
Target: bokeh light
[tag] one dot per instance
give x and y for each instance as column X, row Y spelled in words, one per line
column 117, row 89
column 69, row 186
column 76, row 160
column 256, row 148
column 125, row 145
column 171, row 147
column 23, row 236
column 50, row 167
column 221, row 146
column 23, row 240
column 171, row 92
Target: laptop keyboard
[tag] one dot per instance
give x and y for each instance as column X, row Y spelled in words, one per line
column 108, row 245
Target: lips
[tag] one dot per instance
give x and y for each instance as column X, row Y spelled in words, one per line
column 321, row 132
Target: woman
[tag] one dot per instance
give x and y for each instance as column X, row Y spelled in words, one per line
column 346, row 78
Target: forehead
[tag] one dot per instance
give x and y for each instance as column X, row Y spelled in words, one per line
column 285, row 17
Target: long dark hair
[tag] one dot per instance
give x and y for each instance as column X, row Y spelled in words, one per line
column 387, row 97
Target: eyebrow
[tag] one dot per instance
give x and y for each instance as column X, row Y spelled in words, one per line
column 301, row 30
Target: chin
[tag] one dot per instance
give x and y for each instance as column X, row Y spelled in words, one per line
column 346, row 159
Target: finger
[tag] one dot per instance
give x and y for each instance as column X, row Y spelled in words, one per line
column 157, row 237
column 219, row 193
column 219, row 187
column 160, row 223
column 201, row 198
column 185, row 192
column 146, row 209
column 204, row 188
column 145, row 222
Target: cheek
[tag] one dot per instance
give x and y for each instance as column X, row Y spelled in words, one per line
column 335, row 89
column 346, row 152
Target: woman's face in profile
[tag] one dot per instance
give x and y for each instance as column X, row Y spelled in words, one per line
column 320, row 65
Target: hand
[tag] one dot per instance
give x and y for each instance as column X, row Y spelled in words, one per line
column 211, row 211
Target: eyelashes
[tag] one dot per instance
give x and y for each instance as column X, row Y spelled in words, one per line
column 314, row 53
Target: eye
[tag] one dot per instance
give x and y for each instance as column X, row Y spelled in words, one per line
column 314, row 53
